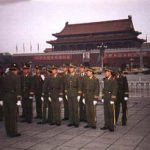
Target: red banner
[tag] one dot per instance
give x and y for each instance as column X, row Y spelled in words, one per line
column 53, row 57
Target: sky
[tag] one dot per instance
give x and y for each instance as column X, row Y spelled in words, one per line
column 29, row 22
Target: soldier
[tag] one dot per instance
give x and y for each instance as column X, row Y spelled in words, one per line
column 73, row 94
column 1, row 95
column 38, row 83
column 27, row 89
column 82, row 76
column 109, row 97
column 122, row 97
column 11, row 88
column 56, row 93
column 65, row 101
column 91, row 94
column 46, row 104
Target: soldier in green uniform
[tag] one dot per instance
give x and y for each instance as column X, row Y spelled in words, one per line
column 27, row 90
column 38, row 83
column 65, row 101
column 11, row 89
column 109, row 98
column 73, row 94
column 56, row 93
column 91, row 94
column 122, row 97
column 82, row 76
column 46, row 100
column 1, row 95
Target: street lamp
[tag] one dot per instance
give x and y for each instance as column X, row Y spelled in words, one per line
column 102, row 48
column 131, row 63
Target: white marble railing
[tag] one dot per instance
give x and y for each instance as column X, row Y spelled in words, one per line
column 139, row 84
column 136, row 88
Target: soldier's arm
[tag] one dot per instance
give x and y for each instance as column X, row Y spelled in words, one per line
column 61, row 82
column 45, row 89
column 32, row 85
column 97, row 89
column 66, row 84
column 126, row 87
column 18, row 85
column 79, row 85
column 114, row 90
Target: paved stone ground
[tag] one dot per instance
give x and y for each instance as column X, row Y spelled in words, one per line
column 134, row 136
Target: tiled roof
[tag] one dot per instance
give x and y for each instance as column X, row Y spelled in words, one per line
column 93, row 39
column 97, row 27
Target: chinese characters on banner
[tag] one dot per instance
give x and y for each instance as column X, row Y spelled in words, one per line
column 53, row 57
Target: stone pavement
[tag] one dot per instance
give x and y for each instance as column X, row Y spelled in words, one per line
column 134, row 136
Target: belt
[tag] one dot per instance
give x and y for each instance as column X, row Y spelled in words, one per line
column 9, row 91
column 54, row 89
column 108, row 92
column 87, row 90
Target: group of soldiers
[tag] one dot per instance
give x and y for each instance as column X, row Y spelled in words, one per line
column 77, row 90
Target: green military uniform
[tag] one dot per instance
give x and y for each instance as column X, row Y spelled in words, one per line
column 73, row 89
column 11, row 89
column 91, row 94
column 109, row 95
column 82, row 77
column 27, row 88
column 65, row 101
column 38, row 83
column 122, row 97
column 1, row 98
column 56, row 91
column 46, row 103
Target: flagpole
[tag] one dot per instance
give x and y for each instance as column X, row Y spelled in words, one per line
column 38, row 47
column 23, row 47
column 30, row 47
column 16, row 48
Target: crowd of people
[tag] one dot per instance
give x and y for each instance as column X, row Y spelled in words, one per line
column 78, row 90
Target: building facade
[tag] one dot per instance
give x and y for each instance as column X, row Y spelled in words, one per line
column 81, row 43
column 88, row 36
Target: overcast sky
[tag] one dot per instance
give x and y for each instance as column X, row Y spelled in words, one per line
column 34, row 21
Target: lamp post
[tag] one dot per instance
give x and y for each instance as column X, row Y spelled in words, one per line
column 141, row 59
column 102, row 48
column 131, row 63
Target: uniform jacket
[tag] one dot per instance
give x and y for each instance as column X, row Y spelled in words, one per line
column 91, row 87
column 110, row 89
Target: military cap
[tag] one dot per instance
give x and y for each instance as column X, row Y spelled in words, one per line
column 38, row 67
column 119, row 70
column 26, row 66
column 72, row 65
column 13, row 67
column 54, row 67
column 90, row 69
column 82, row 66
column 65, row 65
column 109, row 69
